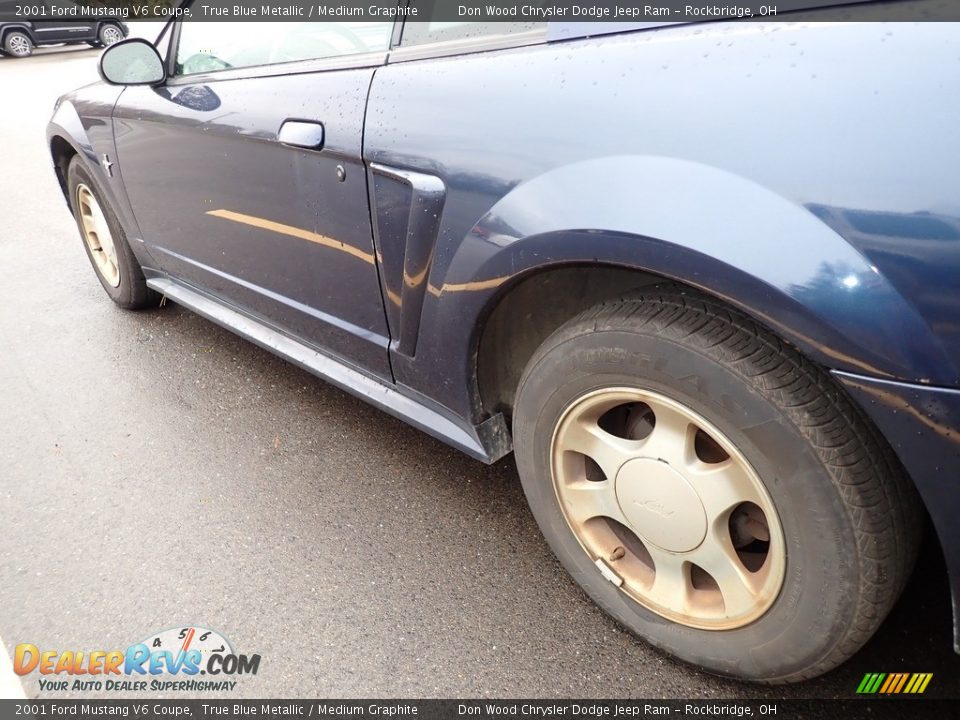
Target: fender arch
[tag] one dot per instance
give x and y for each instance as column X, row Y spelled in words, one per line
column 22, row 27
column 683, row 221
column 66, row 128
column 714, row 231
column 90, row 136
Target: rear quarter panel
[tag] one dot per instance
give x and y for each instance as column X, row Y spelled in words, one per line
column 698, row 152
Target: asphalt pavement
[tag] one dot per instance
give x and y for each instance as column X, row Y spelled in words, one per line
column 158, row 472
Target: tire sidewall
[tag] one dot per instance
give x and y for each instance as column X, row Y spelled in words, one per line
column 130, row 273
column 815, row 600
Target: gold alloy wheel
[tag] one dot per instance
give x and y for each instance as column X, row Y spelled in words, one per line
column 96, row 233
column 667, row 508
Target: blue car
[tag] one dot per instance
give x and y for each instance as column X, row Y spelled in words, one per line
column 703, row 281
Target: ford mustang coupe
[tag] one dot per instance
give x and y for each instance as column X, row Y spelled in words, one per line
column 702, row 280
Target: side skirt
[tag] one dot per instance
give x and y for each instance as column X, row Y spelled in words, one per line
column 487, row 442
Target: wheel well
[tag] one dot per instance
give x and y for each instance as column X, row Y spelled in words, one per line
column 16, row 28
column 62, row 153
column 529, row 311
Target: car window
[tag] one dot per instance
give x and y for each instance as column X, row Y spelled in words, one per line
column 437, row 25
column 210, row 47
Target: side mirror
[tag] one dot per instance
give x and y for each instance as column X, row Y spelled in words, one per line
column 132, row 62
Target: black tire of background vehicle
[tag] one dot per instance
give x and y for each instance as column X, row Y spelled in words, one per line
column 851, row 519
column 17, row 44
column 132, row 293
column 108, row 34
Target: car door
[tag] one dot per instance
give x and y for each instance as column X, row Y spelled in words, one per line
column 245, row 174
column 61, row 27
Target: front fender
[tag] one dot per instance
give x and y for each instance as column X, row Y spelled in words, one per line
column 67, row 125
column 65, row 128
column 83, row 120
column 713, row 230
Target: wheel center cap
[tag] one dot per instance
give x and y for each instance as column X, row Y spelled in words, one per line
column 661, row 505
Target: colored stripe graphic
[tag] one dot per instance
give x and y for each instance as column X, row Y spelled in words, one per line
column 886, row 685
column 894, row 683
column 903, row 681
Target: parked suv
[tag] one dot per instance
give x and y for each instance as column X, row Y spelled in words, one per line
column 18, row 39
column 700, row 279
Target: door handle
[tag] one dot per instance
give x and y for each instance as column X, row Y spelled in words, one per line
column 301, row 133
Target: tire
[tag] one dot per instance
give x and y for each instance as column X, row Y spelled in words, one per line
column 109, row 34
column 17, row 44
column 116, row 266
column 842, row 522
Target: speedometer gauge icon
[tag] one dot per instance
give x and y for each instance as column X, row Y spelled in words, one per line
column 183, row 639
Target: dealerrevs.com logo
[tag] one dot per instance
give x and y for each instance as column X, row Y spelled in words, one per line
column 166, row 661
